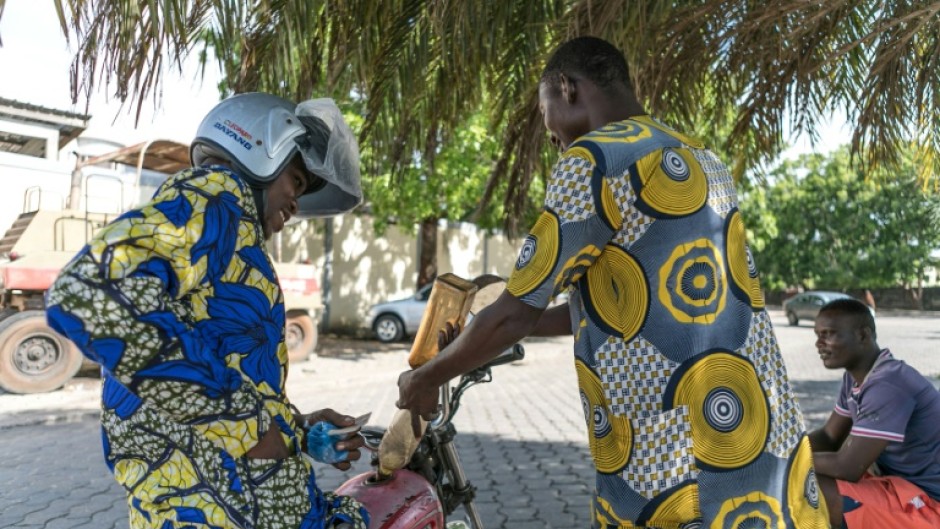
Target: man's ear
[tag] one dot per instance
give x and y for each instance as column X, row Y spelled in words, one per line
column 568, row 89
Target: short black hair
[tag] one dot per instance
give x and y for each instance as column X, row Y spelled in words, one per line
column 854, row 308
column 588, row 57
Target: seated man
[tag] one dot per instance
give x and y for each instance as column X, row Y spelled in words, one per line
column 878, row 456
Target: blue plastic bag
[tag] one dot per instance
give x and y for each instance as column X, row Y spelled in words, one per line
column 322, row 446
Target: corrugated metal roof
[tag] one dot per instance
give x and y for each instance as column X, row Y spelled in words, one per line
column 69, row 124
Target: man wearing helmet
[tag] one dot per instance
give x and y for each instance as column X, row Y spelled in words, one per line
column 179, row 303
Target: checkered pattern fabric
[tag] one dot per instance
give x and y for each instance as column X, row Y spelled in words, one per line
column 662, row 453
column 569, row 192
column 786, row 419
column 634, row 375
column 635, row 223
column 721, row 194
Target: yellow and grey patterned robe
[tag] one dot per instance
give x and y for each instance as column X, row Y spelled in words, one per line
column 691, row 420
column 179, row 303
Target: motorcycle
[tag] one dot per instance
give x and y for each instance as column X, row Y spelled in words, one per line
column 433, row 484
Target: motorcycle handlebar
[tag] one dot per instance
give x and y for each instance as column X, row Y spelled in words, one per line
column 513, row 354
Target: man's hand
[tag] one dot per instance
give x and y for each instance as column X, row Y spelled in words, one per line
column 352, row 442
column 423, row 401
column 419, row 398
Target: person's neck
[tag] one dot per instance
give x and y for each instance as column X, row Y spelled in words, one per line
column 861, row 371
column 613, row 107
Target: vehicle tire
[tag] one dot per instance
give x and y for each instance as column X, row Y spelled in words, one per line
column 792, row 319
column 300, row 335
column 388, row 328
column 33, row 357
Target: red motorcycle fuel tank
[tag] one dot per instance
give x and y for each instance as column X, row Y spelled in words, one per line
column 403, row 501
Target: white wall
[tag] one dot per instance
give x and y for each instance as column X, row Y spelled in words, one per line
column 19, row 173
column 369, row 268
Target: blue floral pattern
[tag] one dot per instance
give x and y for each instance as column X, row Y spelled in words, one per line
column 194, row 361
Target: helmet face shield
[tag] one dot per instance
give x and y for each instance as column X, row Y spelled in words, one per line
column 331, row 153
column 260, row 134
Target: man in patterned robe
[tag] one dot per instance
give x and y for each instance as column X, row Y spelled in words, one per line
column 179, row 303
column 690, row 418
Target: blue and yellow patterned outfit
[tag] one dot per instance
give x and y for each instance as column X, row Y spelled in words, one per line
column 690, row 416
column 179, row 303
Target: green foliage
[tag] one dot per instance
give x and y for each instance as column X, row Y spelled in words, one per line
column 821, row 223
column 422, row 67
column 449, row 187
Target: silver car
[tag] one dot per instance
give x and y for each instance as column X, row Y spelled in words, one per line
column 807, row 304
column 392, row 321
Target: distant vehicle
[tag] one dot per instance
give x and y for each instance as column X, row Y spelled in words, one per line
column 392, row 321
column 807, row 305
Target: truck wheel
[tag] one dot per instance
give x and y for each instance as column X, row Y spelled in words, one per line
column 388, row 328
column 33, row 357
column 300, row 335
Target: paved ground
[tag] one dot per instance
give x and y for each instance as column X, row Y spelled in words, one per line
column 521, row 436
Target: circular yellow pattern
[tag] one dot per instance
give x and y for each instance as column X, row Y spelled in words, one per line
column 622, row 132
column 617, row 292
column 538, row 256
column 610, row 436
column 804, row 499
column 696, row 277
column 681, row 507
column 727, row 408
column 673, row 183
column 692, row 264
column 743, row 511
column 741, row 264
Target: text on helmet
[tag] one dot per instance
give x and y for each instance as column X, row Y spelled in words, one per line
column 233, row 134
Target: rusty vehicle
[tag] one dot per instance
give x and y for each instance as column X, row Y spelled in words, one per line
column 33, row 357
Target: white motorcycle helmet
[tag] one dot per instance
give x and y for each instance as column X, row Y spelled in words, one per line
column 260, row 134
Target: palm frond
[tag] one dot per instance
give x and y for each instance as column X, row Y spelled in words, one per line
column 418, row 68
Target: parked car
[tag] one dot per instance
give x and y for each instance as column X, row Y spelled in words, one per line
column 392, row 321
column 807, row 304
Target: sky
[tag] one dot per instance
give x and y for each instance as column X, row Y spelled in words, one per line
column 35, row 59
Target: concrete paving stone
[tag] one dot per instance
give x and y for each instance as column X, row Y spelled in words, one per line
column 517, row 514
column 111, row 518
column 518, row 499
column 529, row 524
column 567, row 490
column 16, row 512
column 489, row 513
column 64, row 522
column 527, row 475
column 565, row 477
column 540, row 487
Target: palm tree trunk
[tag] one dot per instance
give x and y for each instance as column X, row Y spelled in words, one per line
column 427, row 251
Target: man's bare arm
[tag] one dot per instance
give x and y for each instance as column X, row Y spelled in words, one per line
column 831, row 436
column 555, row 321
column 493, row 330
column 854, row 457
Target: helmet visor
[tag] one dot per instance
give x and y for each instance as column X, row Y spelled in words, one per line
column 331, row 154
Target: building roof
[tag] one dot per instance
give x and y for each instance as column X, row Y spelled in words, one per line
column 69, row 125
column 165, row 156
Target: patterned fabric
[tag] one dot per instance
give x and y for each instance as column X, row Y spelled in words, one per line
column 179, row 303
column 690, row 417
